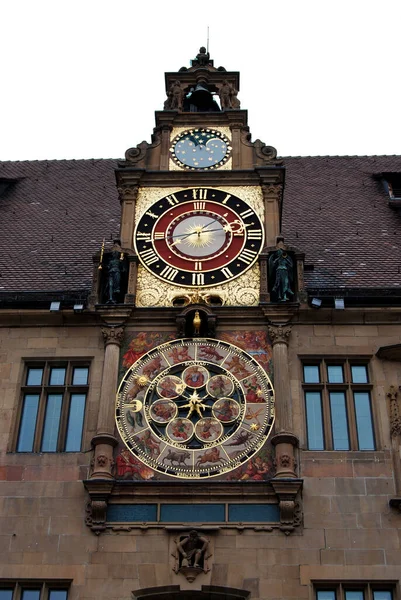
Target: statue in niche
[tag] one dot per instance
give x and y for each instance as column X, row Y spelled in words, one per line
column 175, row 97
column 281, row 276
column 192, row 549
column 228, row 96
column 114, row 283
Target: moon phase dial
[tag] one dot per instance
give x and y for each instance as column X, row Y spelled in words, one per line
column 200, row 149
column 199, row 237
column 195, row 408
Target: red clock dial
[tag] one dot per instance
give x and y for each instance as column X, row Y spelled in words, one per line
column 199, row 236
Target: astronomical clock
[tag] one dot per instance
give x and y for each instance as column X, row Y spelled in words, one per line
column 195, row 408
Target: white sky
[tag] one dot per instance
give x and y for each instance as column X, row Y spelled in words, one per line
column 82, row 78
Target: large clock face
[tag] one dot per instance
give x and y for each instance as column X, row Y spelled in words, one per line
column 201, row 149
column 195, row 408
column 199, row 237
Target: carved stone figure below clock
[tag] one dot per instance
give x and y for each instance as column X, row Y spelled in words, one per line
column 195, row 408
column 199, row 237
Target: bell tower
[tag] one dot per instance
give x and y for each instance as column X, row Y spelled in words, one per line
column 203, row 319
column 202, row 139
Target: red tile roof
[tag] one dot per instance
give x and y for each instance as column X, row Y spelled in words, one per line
column 337, row 212
column 53, row 219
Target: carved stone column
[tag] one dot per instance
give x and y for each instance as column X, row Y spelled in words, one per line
column 284, row 441
column 104, row 440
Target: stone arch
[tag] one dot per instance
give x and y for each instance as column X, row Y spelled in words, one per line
column 207, row 592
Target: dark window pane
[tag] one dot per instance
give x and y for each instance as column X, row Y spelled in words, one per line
column 34, row 376
column 52, row 423
column 57, row 594
column 354, row 595
column 326, row 595
column 6, row 594
column 314, row 420
column 339, row 421
column 28, row 423
column 192, row 513
column 57, row 376
column 382, row 595
column 335, row 374
column 75, row 423
column 80, row 376
column 30, row 595
column 311, row 374
column 251, row 513
column 364, row 425
column 131, row 513
column 359, row 374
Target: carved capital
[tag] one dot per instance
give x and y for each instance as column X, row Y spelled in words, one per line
column 113, row 335
column 279, row 334
column 128, row 192
column 272, row 190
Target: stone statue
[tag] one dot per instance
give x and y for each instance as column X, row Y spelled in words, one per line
column 192, row 548
column 203, row 57
column 175, row 97
column 281, row 271
column 228, row 96
column 115, row 268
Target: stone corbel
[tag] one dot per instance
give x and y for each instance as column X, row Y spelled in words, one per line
column 287, row 491
column 99, row 492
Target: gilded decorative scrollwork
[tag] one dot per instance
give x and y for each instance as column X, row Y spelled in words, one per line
column 243, row 291
column 251, row 194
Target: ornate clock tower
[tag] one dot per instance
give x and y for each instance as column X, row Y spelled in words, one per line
column 204, row 288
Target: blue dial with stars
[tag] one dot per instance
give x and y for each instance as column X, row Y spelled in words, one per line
column 201, row 149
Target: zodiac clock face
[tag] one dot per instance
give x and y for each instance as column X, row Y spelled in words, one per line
column 195, row 408
column 201, row 149
column 199, row 237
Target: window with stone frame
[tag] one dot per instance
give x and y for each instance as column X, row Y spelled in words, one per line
column 355, row 591
column 34, row 590
column 52, row 408
column 338, row 404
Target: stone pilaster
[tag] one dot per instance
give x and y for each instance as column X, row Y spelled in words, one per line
column 272, row 195
column 395, row 432
column 104, row 440
column 284, row 441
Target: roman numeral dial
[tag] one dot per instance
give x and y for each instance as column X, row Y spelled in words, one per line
column 198, row 237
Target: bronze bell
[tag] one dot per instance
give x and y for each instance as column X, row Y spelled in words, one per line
column 201, row 99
